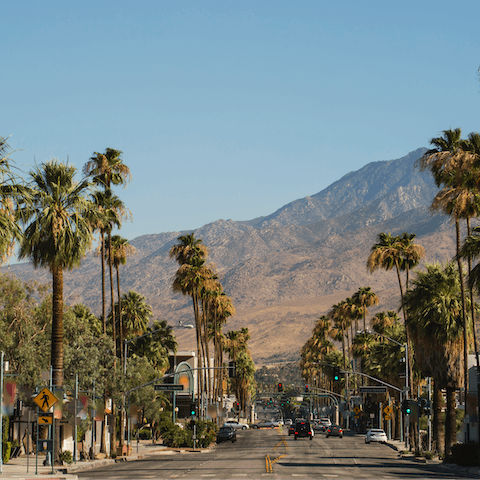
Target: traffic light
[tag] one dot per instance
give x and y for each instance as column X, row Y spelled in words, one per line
column 232, row 369
column 306, row 388
column 424, row 407
column 280, row 387
column 336, row 374
column 193, row 408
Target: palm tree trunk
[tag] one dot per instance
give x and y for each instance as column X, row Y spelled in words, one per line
column 104, row 303
column 464, row 312
column 122, row 355
column 450, row 422
column 438, row 433
column 57, row 344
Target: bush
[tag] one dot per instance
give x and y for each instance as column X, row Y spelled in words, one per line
column 7, row 448
column 466, row 454
column 145, row 434
column 66, row 457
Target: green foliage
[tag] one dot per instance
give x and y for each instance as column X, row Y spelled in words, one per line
column 5, row 427
column 66, row 457
column 174, row 436
column 6, row 450
column 145, row 434
column 465, row 454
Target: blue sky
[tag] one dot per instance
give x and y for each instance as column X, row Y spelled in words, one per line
column 233, row 109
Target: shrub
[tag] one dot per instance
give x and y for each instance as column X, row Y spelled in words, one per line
column 466, row 454
column 145, row 434
column 66, row 457
column 6, row 450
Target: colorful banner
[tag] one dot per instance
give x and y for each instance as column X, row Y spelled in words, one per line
column 9, row 393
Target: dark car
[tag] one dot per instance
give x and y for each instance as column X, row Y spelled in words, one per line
column 226, row 434
column 291, row 430
column 303, row 429
column 334, row 431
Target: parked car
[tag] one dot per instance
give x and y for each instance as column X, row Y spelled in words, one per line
column 334, row 431
column 265, row 424
column 375, row 435
column 303, row 429
column 225, row 434
column 288, row 421
column 236, row 425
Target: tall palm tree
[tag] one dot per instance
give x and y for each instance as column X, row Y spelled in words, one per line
column 388, row 254
column 434, row 305
column 191, row 254
column 364, row 298
column 107, row 169
column 121, row 250
column 57, row 236
column 108, row 214
column 451, row 167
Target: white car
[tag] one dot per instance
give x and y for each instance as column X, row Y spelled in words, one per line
column 376, row 435
column 236, row 425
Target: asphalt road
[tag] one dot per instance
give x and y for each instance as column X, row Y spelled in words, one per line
column 343, row 458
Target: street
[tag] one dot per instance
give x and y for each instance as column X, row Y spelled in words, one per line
column 271, row 453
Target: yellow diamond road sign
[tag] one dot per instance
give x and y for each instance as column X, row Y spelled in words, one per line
column 387, row 410
column 45, row 399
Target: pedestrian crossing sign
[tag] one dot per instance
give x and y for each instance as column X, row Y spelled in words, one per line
column 45, row 400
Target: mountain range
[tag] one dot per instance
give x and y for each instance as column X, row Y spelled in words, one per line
column 285, row 270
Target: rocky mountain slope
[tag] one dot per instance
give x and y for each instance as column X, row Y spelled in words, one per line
column 285, row 270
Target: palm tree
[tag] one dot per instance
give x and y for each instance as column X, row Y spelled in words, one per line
column 434, row 305
column 341, row 323
column 364, row 298
column 107, row 169
column 121, row 249
column 136, row 314
column 9, row 190
column 189, row 280
column 57, row 236
column 109, row 212
column 388, row 253
column 383, row 320
column 451, row 168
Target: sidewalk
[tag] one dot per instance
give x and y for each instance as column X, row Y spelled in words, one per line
column 400, row 447
column 16, row 468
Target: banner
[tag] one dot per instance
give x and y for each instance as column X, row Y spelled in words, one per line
column 9, row 393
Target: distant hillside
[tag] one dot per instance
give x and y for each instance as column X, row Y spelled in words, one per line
column 285, row 270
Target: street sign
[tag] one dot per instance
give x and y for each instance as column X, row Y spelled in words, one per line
column 45, row 400
column 356, row 410
column 387, row 410
column 168, row 387
column 387, row 417
column 373, row 389
column 45, row 420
